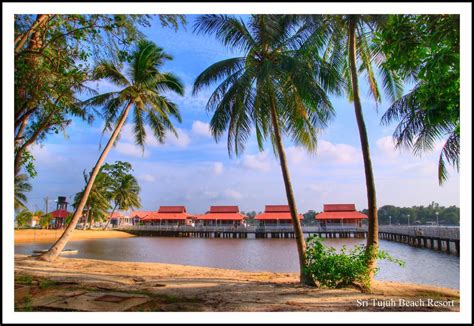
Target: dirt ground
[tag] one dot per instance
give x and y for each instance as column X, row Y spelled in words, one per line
column 71, row 284
column 39, row 235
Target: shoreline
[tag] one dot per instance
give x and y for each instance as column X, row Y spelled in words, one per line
column 170, row 287
column 42, row 236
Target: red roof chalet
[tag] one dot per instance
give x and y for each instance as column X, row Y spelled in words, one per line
column 141, row 214
column 222, row 213
column 276, row 212
column 59, row 213
column 168, row 213
column 340, row 211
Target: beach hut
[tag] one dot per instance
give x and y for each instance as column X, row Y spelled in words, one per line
column 276, row 215
column 169, row 216
column 221, row 216
column 59, row 218
column 138, row 216
column 340, row 215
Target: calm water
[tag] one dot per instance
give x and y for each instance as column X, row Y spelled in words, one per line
column 422, row 266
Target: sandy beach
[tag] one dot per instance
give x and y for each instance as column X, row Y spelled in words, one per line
column 39, row 235
column 167, row 287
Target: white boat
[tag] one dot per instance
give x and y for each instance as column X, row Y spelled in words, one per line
column 64, row 252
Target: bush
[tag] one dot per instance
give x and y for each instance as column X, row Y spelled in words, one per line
column 333, row 269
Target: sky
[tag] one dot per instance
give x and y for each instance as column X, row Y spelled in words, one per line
column 196, row 171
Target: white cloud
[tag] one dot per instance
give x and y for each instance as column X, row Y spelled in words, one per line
column 218, row 168
column 258, row 162
column 201, row 128
column 387, row 146
column 232, row 194
column 131, row 150
column 337, row 153
column 327, row 152
column 181, row 141
column 147, row 178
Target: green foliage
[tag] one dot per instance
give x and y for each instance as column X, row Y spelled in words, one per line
column 23, row 219
column 278, row 70
column 27, row 160
column 334, row 269
column 419, row 214
column 45, row 220
column 22, row 186
column 425, row 48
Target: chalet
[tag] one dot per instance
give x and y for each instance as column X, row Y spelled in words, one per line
column 138, row 216
column 340, row 215
column 221, row 216
column 276, row 215
column 119, row 218
column 169, row 216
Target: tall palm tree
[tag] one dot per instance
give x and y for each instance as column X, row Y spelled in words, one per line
column 274, row 86
column 124, row 194
column 350, row 49
column 21, row 186
column 142, row 90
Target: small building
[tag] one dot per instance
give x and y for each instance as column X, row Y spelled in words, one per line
column 221, row 216
column 119, row 218
column 340, row 215
column 59, row 218
column 60, row 214
column 138, row 216
column 35, row 221
column 276, row 215
column 169, row 216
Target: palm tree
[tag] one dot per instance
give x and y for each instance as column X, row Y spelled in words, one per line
column 142, row 90
column 21, row 186
column 350, row 49
column 275, row 86
column 24, row 218
column 99, row 198
column 124, row 194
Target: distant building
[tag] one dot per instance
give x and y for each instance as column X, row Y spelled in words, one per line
column 340, row 215
column 221, row 216
column 169, row 216
column 119, row 218
column 60, row 214
column 276, row 215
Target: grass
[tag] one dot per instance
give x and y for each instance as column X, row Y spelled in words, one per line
column 24, row 279
column 46, row 284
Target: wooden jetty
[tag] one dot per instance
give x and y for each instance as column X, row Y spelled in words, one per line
column 445, row 239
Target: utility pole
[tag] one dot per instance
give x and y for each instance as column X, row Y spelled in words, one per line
column 46, row 203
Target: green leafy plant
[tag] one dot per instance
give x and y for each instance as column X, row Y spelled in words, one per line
column 333, row 269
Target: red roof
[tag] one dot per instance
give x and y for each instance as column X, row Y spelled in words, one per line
column 59, row 213
column 172, row 209
column 141, row 214
column 221, row 216
column 340, row 211
column 340, row 215
column 339, row 207
column 166, row 216
column 224, row 209
column 276, row 208
column 115, row 214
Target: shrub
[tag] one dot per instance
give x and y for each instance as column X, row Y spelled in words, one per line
column 333, row 269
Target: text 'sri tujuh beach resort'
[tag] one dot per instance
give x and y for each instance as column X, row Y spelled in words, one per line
column 237, row 163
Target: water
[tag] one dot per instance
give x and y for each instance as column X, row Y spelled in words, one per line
column 422, row 266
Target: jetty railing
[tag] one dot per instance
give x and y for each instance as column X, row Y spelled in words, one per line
column 445, row 232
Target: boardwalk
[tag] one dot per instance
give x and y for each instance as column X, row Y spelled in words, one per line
column 433, row 237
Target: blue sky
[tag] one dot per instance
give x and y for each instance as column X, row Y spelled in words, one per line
column 195, row 171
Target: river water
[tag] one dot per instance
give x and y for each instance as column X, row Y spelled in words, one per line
column 422, row 266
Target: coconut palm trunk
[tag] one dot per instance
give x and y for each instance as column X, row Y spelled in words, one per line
column 373, row 228
column 59, row 245
column 305, row 278
column 110, row 217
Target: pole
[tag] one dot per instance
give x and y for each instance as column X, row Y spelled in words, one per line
column 46, row 203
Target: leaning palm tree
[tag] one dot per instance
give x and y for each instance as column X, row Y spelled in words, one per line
column 21, row 186
column 142, row 90
column 275, row 86
column 124, row 194
column 350, row 49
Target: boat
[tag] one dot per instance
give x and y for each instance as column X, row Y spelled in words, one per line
column 64, row 252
